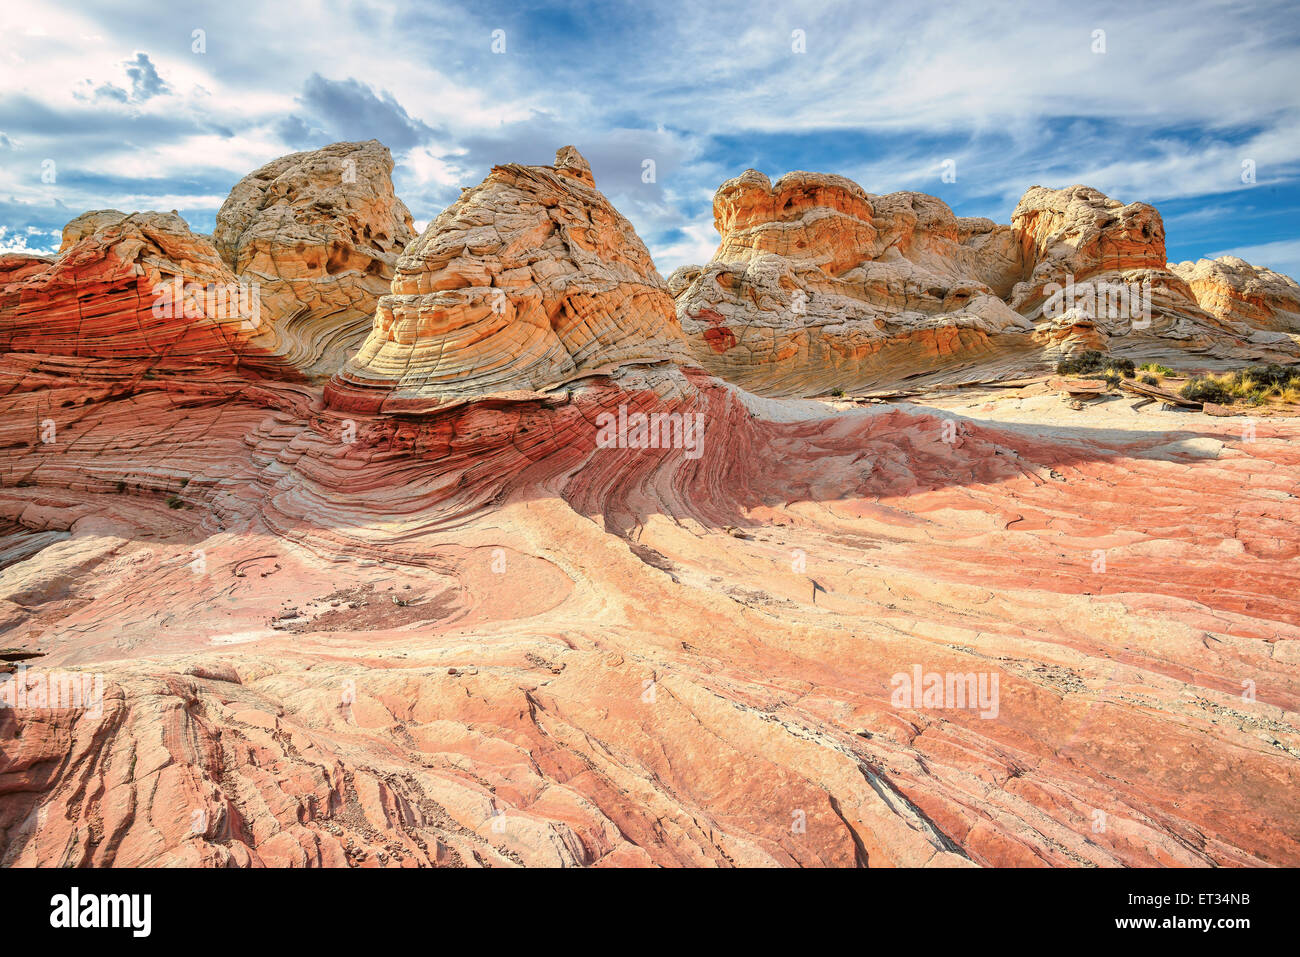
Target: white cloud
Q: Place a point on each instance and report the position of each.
(695, 248)
(30, 242)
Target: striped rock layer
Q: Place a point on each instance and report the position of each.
(527, 587)
(528, 281)
(818, 285)
(320, 232)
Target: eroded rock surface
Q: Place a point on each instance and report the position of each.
(529, 588)
(528, 281)
(1116, 254)
(320, 232)
(1235, 292)
(141, 289)
(818, 285)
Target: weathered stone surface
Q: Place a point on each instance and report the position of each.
(528, 281)
(478, 633)
(87, 224)
(1109, 249)
(320, 232)
(1234, 291)
(818, 285)
(15, 267)
(661, 685)
(142, 289)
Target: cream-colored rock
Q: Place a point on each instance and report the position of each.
(530, 280)
(1233, 290)
(87, 224)
(818, 284)
(250, 627)
(1126, 300)
(320, 231)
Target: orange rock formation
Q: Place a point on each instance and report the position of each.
(529, 586)
(818, 285)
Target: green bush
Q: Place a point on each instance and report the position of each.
(1203, 389)
(1092, 361)
(1272, 376)
(1081, 364)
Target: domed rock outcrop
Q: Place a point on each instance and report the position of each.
(320, 232)
(530, 280)
(571, 604)
(1100, 281)
(140, 288)
(817, 283)
(1232, 290)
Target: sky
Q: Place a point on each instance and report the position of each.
(1192, 106)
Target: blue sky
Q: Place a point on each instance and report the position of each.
(131, 116)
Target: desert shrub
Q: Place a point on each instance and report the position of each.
(837, 393)
(1150, 380)
(1081, 363)
(1091, 361)
(1255, 385)
(1207, 389)
(1155, 368)
(174, 501)
(1272, 376)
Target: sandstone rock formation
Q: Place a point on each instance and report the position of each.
(661, 685)
(818, 285)
(528, 281)
(15, 267)
(141, 289)
(1237, 293)
(429, 614)
(320, 231)
(1079, 236)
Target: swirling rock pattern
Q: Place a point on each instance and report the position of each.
(1080, 235)
(484, 599)
(817, 284)
(528, 281)
(141, 288)
(1235, 292)
(320, 232)
(479, 639)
